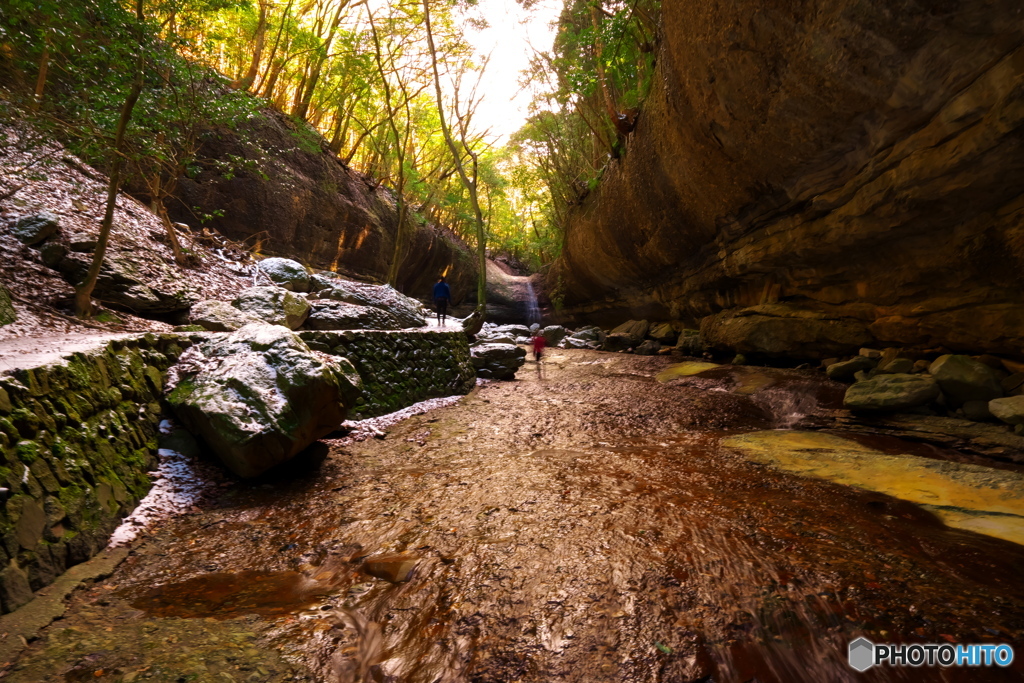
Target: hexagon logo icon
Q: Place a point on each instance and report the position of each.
(862, 654)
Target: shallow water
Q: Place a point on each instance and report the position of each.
(589, 526)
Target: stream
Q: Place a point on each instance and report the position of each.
(584, 522)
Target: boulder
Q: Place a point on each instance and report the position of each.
(892, 393)
(408, 311)
(497, 361)
(32, 230)
(338, 315)
(648, 348)
(52, 253)
(783, 331)
(259, 395)
(977, 411)
(513, 331)
(636, 330)
(1010, 409)
(533, 328)
(274, 305)
(286, 273)
(591, 333)
(896, 366)
(219, 316)
(138, 280)
(577, 343)
(845, 370)
(617, 341)
(7, 313)
(689, 343)
(495, 339)
(553, 334)
(473, 323)
(665, 333)
(964, 379)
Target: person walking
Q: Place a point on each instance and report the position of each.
(442, 297)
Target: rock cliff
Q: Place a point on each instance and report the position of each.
(847, 166)
(273, 181)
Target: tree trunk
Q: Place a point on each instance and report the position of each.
(318, 63)
(83, 292)
(257, 50)
(470, 185)
(44, 66)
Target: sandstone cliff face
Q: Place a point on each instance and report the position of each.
(859, 163)
(271, 181)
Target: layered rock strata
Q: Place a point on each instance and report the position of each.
(857, 162)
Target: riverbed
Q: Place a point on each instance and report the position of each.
(584, 522)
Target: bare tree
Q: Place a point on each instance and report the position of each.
(83, 292)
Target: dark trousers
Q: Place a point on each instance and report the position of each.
(442, 307)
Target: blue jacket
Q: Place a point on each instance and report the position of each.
(442, 291)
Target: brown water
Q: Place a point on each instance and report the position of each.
(584, 527)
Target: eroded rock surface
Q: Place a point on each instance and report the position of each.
(858, 159)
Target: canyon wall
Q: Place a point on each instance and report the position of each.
(834, 172)
(274, 183)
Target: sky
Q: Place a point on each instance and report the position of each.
(511, 37)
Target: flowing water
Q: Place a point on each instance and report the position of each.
(530, 303)
(585, 527)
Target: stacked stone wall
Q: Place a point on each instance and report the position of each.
(77, 439)
(402, 367)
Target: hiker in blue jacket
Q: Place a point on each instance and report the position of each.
(442, 297)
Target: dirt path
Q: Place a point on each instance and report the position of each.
(583, 525)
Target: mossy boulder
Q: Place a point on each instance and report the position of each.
(892, 393)
(219, 316)
(7, 313)
(286, 273)
(259, 396)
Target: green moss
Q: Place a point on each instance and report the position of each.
(27, 451)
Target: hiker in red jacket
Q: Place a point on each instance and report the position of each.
(539, 342)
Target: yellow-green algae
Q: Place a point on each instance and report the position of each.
(971, 497)
(748, 380)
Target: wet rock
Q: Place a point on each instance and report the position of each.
(259, 396)
(844, 371)
(665, 333)
(1010, 409)
(636, 330)
(286, 273)
(964, 379)
(896, 366)
(873, 354)
(648, 348)
(338, 315)
(892, 393)
(219, 316)
(274, 305)
(738, 359)
(553, 334)
(497, 361)
(617, 341)
(689, 343)
(778, 330)
(14, 587)
(977, 411)
(32, 230)
(393, 568)
(7, 313)
(408, 311)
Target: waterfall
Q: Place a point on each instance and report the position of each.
(532, 309)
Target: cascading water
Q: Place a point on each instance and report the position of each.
(532, 309)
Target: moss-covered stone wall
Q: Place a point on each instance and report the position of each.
(77, 439)
(401, 367)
